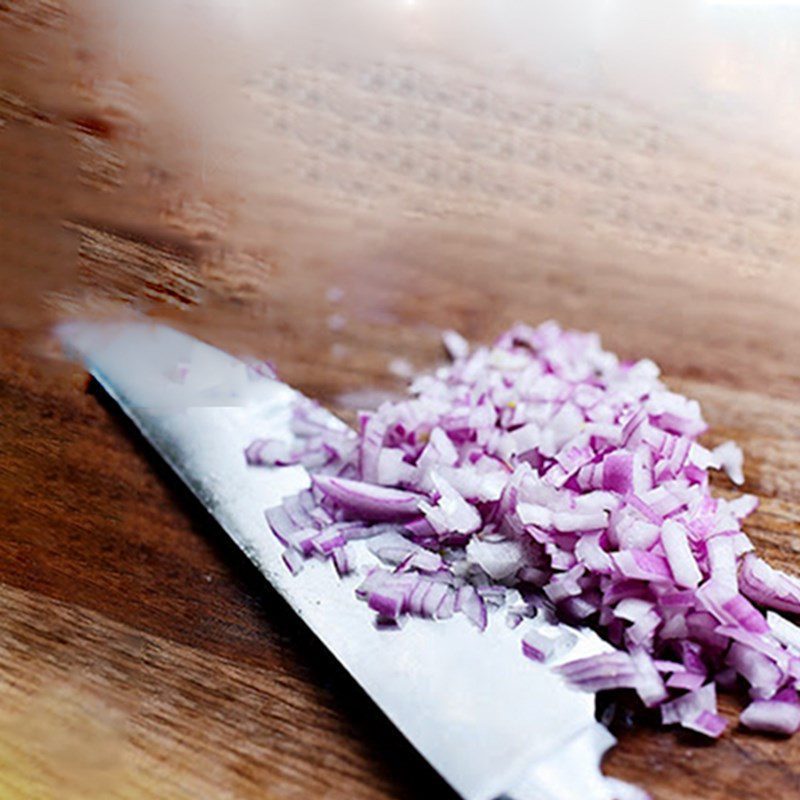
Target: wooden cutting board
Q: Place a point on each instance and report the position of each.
(141, 656)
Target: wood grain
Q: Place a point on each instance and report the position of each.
(140, 654)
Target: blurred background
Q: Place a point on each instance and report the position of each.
(330, 185)
(630, 167)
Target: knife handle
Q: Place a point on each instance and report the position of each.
(573, 772)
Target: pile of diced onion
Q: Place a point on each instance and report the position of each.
(545, 467)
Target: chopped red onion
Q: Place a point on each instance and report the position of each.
(729, 456)
(774, 716)
(539, 646)
(369, 501)
(497, 558)
(784, 631)
(456, 345)
(649, 684)
(765, 585)
(690, 681)
(342, 561)
(707, 723)
(681, 561)
(293, 560)
(544, 467)
(605, 671)
(471, 604)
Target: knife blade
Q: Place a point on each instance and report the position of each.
(492, 723)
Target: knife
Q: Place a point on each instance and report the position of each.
(491, 722)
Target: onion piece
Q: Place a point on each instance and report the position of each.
(470, 603)
(729, 456)
(457, 346)
(690, 705)
(679, 555)
(768, 586)
(498, 559)
(784, 631)
(369, 501)
(711, 725)
(293, 560)
(648, 684)
(774, 716)
(542, 645)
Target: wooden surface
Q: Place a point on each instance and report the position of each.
(140, 655)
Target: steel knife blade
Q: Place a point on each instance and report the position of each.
(492, 723)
